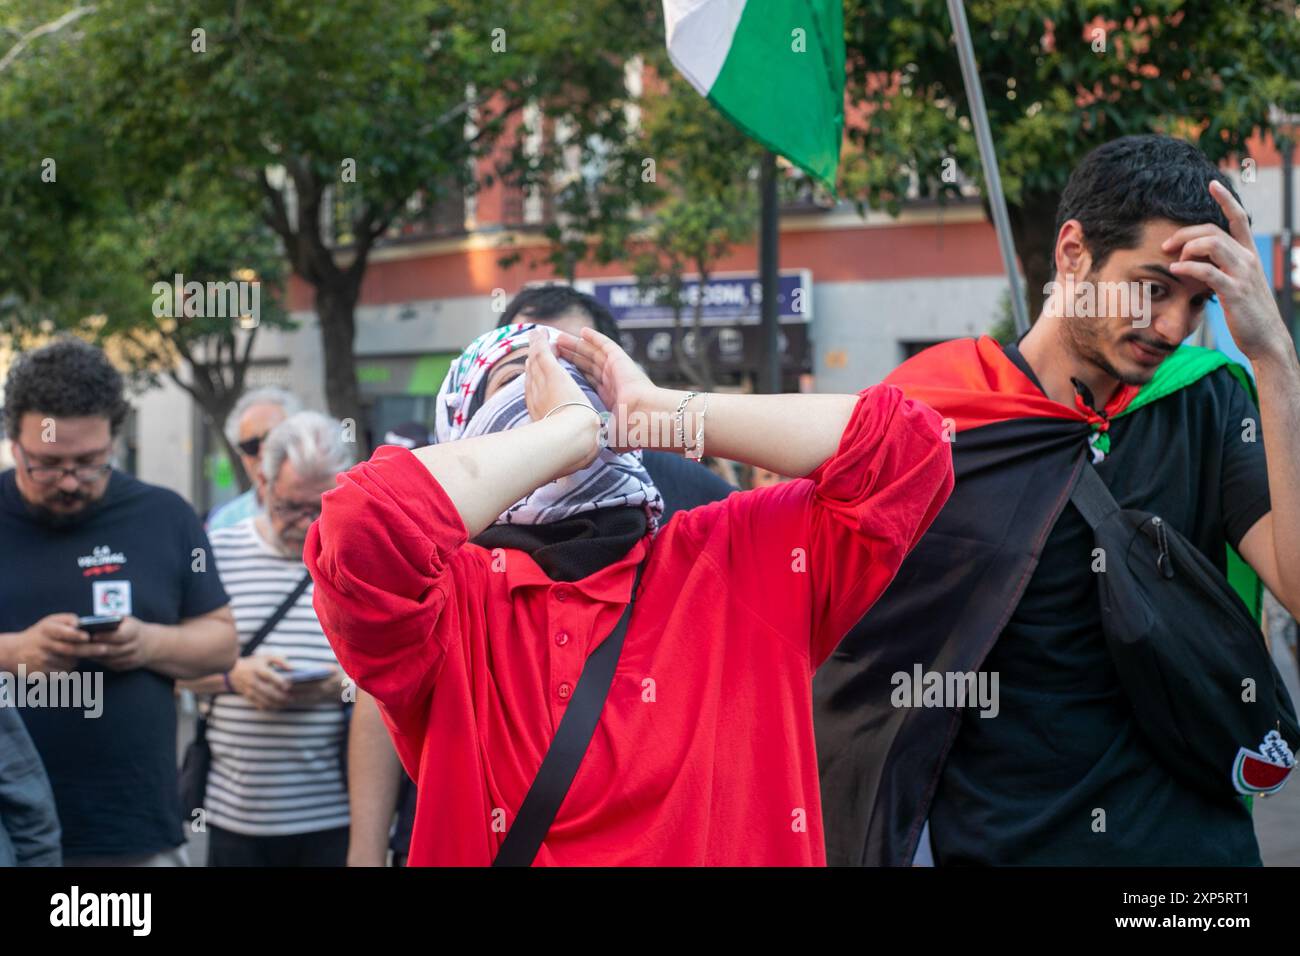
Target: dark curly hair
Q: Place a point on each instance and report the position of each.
(65, 379)
(549, 301)
(1122, 184)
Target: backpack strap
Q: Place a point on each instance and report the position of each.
(1091, 496)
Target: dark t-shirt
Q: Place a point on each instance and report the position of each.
(684, 484)
(114, 776)
(1024, 787)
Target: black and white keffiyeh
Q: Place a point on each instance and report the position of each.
(613, 480)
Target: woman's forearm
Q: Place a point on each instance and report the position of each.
(485, 475)
(790, 434)
(374, 784)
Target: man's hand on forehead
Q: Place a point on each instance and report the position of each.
(1229, 263)
(1203, 239)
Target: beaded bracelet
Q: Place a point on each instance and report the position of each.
(679, 429)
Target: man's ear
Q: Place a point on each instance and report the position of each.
(1071, 253)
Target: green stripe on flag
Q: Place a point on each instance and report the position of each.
(782, 80)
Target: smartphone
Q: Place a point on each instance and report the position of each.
(305, 675)
(99, 624)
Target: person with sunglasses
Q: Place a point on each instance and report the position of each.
(247, 426)
(83, 539)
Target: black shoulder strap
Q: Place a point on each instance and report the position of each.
(1092, 497)
(568, 747)
(276, 616)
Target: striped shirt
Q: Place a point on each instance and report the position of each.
(276, 772)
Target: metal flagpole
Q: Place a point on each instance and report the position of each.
(769, 375)
(989, 158)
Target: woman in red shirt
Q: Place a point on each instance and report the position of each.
(703, 754)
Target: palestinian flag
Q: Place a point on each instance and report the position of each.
(775, 68)
(1016, 456)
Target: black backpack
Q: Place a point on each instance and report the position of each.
(1185, 647)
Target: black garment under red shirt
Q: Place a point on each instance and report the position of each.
(1024, 787)
(704, 752)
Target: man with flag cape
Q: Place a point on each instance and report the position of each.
(1005, 582)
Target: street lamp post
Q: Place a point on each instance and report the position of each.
(1287, 145)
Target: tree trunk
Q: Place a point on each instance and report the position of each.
(1033, 230)
(215, 407)
(336, 304)
(236, 463)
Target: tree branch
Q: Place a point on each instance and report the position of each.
(47, 28)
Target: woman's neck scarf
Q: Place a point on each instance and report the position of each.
(613, 480)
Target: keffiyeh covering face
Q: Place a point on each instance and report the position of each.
(613, 480)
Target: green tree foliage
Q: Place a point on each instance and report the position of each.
(89, 238)
(1059, 78)
(335, 118)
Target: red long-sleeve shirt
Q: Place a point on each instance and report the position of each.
(704, 752)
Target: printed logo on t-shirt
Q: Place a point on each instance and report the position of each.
(1265, 770)
(101, 560)
(111, 597)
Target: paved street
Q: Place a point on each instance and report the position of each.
(1277, 818)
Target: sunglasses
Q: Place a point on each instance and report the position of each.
(252, 446)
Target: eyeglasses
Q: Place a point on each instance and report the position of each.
(49, 474)
(292, 511)
(252, 446)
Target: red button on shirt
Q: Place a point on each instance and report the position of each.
(564, 690)
(740, 601)
(561, 639)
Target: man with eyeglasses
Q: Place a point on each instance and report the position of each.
(83, 539)
(247, 426)
(276, 794)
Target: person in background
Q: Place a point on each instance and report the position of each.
(377, 784)
(247, 426)
(762, 478)
(29, 827)
(81, 538)
(276, 794)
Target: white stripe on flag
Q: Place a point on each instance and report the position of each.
(699, 34)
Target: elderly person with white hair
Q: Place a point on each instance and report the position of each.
(276, 794)
(247, 426)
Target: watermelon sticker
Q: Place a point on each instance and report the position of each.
(1266, 771)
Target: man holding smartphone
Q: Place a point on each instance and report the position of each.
(276, 793)
(84, 539)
